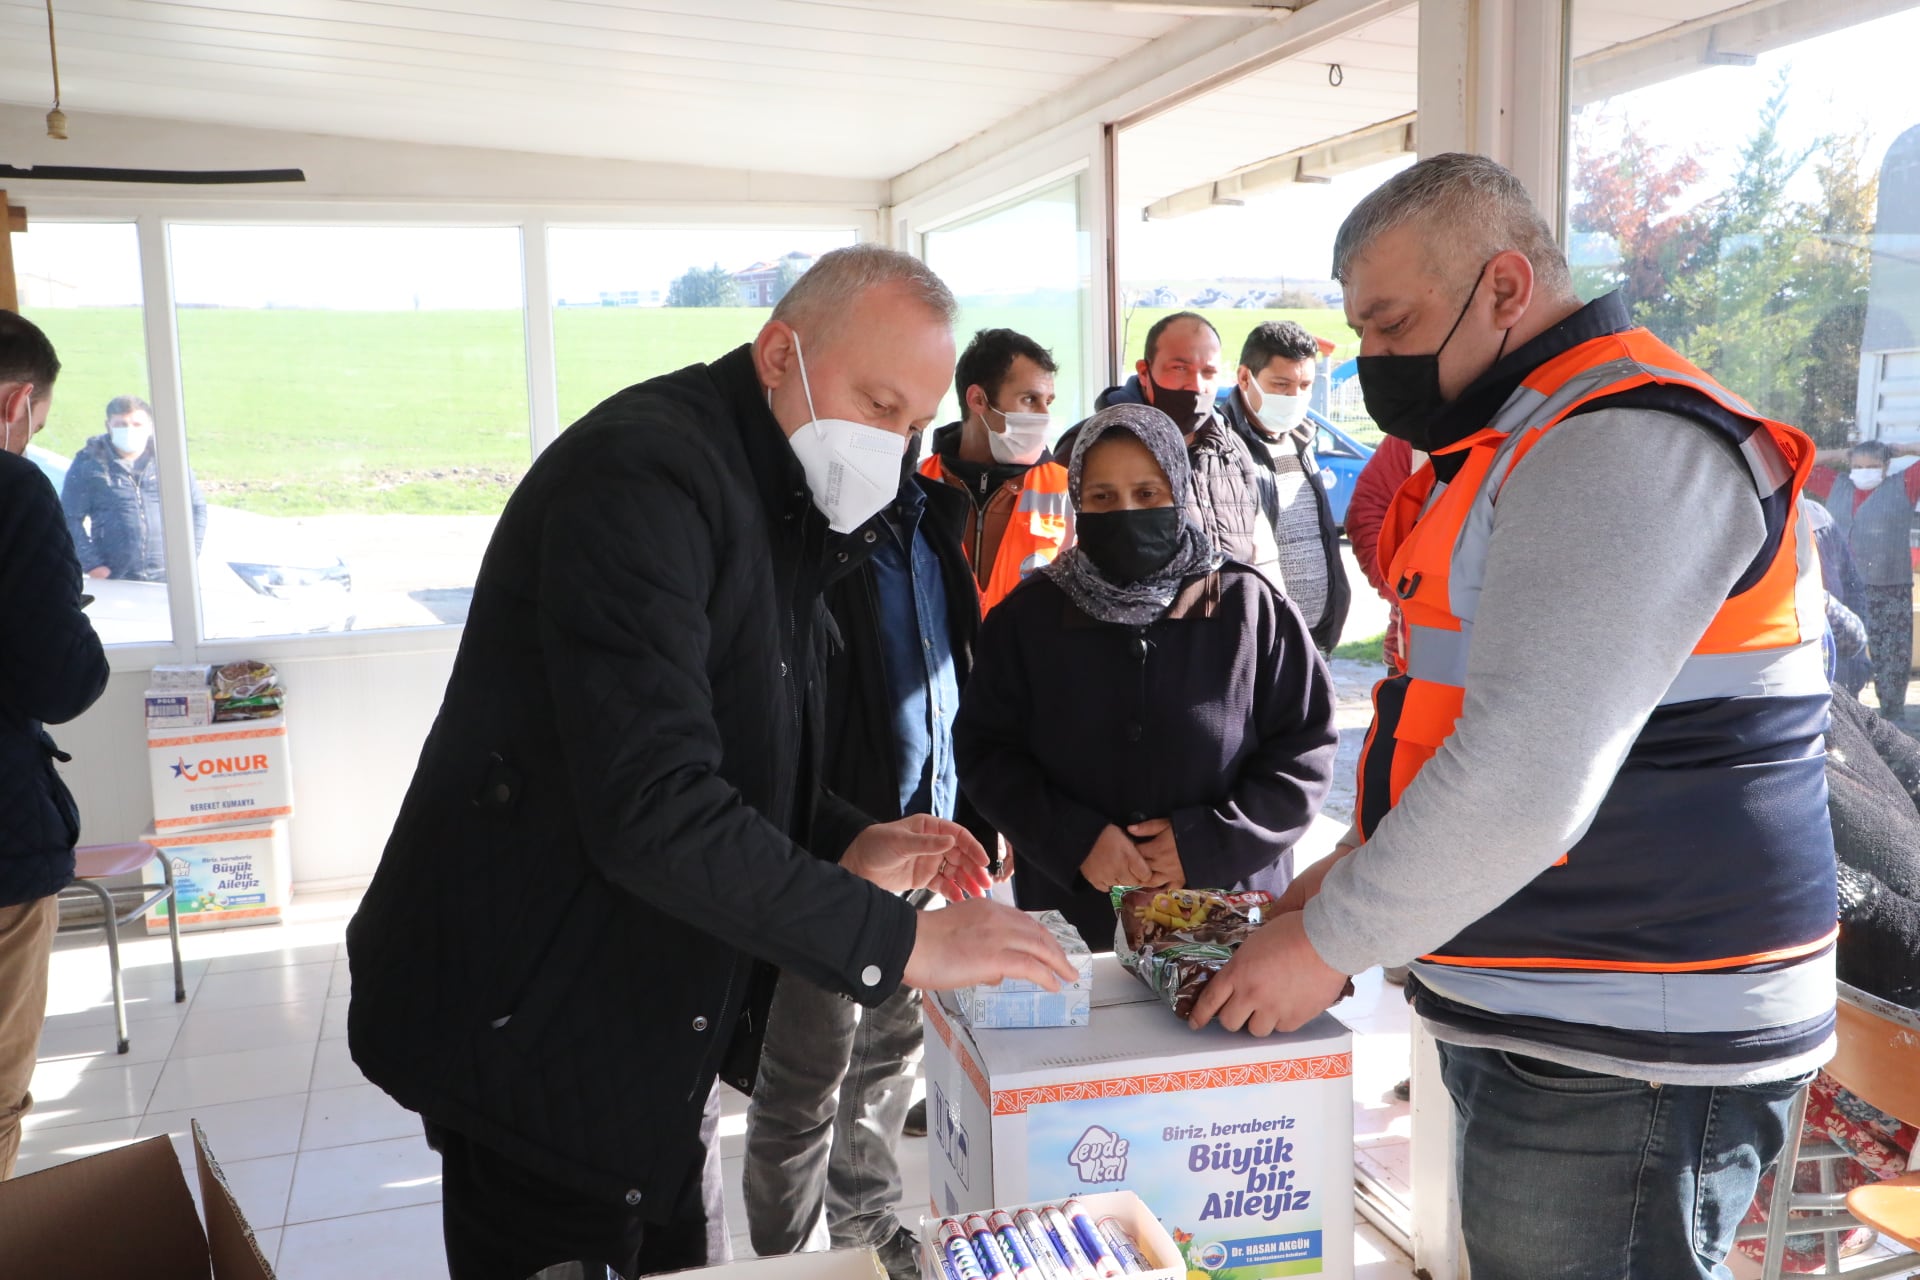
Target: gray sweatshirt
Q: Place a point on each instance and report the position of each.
(1615, 541)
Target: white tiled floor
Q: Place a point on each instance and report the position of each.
(334, 1177)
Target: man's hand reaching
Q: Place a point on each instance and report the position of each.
(920, 852)
(983, 941)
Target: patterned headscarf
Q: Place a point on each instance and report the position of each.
(1134, 604)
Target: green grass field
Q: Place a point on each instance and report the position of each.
(314, 412)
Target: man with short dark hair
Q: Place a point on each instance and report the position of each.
(1178, 373)
(617, 830)
(1019, 517)
(1268, 408)
(112, 499)
(52, 668)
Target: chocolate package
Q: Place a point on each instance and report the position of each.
(246, 690)
(1175, 940)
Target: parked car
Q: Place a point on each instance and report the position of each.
(1341, 458)
(259, 575)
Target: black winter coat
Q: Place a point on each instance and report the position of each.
(861, 751)
(52, 668)
(618, 811)
(1218, 716)
(113, 512)
(1326, 630)
(1873, 802)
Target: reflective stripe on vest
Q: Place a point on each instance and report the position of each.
(1035, 532)
(1691, 907)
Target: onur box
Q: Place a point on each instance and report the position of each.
(225, 876)
(219, 774)
(1243, 1147)
(1016, 1002)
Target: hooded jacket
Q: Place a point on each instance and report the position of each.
(52, 668)
(113, 511)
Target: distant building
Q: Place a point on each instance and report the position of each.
(760, 285)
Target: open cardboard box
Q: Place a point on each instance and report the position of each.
(127, 1212)
(839, 1264)
(1147, 1232)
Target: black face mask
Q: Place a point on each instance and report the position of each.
(1402, 393)
(1182, 406)
(1126, 546)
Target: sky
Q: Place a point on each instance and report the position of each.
(1860, 80)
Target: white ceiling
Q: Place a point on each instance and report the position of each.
(1292, 104)
(839, 88)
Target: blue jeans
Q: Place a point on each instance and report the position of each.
(1568, 1175)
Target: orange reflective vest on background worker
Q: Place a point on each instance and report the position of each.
(1694, 920)
(1035, 520)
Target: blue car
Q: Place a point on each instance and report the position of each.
(1341, 457)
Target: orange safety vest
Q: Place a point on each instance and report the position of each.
(1694, 921)
(1038, 529)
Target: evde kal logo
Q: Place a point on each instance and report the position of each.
(1100, 1156)
(218, 766)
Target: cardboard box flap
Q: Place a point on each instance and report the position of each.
(125, 1212)
(839, 1264)
(236, 1254)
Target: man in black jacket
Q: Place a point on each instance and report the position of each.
(835, 1080)
(112, 497)
(617, 821)
(52, 668)
(1268, 410)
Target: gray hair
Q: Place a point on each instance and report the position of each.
(826, 291)
(1472, 209)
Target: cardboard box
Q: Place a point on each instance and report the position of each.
(1146, 1230)
(127, 1212)
(181, 676)
(1242, 1147)
(840, 1264)
(226, 876)
(219, 775)
(179, 708)
(1016, 1002)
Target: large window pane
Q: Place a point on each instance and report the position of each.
(1025, 266)
(631, 304)
(80, 282)
(1753, 192)
(356, 405)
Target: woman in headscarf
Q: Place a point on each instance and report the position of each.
(1142, 712)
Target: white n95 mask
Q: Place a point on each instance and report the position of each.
(1022, 442)
(1867, 477)
(853, 470)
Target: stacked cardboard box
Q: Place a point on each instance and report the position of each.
(222, 794)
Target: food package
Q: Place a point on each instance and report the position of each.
(1016, 1002)
(1175, 940)
(246, 690)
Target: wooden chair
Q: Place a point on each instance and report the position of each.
(1877, 1058)
(1879, 1061)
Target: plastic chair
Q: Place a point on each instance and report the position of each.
(94, 863)
(1877, 1058)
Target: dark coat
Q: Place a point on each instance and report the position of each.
(1218, 716)
(113, 512)
(618, 810)
(1326, 630)
(52, 668)
(861, 751)
(1873, 788)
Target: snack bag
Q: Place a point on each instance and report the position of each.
(1175, 940)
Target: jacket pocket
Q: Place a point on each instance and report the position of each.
(61, 798)
(524, 1016)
